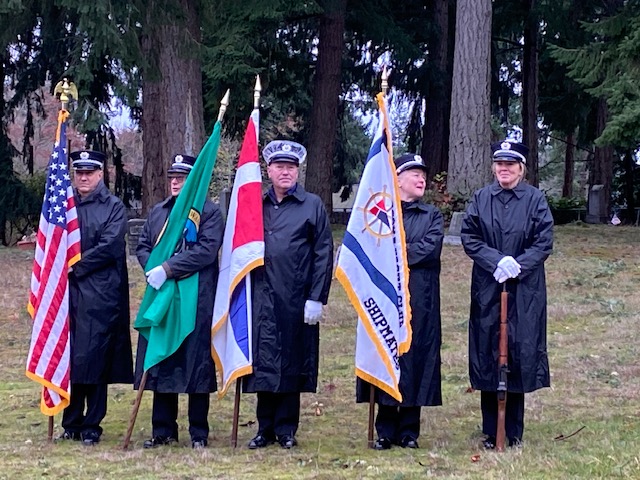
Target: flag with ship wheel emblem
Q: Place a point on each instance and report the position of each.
(373, 269)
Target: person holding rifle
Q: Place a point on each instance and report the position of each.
(508, 233)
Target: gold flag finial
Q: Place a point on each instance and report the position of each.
(385, 80)
(223, 105)
(256, 92)
(66, 91)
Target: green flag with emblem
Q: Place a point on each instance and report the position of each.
(168, 315)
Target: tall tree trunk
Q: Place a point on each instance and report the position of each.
(569, 165)
(436, 126)
(324, 116)
(469, 137)
(602, 171)
(530, 91)
(172, 118)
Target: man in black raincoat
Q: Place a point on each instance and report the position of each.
(288, 294)
(420, 380)
(190, 369)
(508, 233)
(98, 302)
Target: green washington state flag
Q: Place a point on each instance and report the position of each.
(168, 315)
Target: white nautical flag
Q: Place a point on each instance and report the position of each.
(242, 251)
(372, 267)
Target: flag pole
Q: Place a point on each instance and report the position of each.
(384, 86)
(67, 92)
(236, 401)
(143, 381)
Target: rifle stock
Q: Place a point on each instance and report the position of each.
(503, 355)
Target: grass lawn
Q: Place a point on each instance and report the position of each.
(594, 348)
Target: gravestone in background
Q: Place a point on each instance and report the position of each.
(455, 228)
(596, 209)
(134, 229)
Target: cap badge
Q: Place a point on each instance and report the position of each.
(179, 159)
(84, 155)
(417, 158)
(505, 146)
(286, 147)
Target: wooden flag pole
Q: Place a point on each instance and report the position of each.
(134, 410)
(50, 429)
(236, 414)
(372, 409)
(236, 401)
(67, 93)
(384, 86)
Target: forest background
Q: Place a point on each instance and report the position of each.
(561, 76)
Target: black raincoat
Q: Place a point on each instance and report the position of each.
(190, 369)
(420, 380)
(297, 267)
(518, 223)
(99, 293)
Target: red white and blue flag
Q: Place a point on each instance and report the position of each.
(373, 269)
(57, 249)
(242, 251)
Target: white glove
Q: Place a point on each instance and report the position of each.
(156, 277)
(500, 275)
(509, 266)
(312, 312)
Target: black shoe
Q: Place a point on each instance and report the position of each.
(198, 444)
(68, 435)
(489, 443)
(382, 443)
(260, 441)
(408, 442)
(287, 441)
(515, 442)
(158, 441)
(90, 438)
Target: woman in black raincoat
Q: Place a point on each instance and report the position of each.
(420, 380)
(99, 302)
(508, 233)
(190, 369)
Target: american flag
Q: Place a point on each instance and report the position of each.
(57, 249)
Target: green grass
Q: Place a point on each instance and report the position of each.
(594, 347)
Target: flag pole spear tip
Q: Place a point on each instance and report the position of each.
(385, 80)
(256, 92)
(223, 105)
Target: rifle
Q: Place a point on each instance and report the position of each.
(503, 367)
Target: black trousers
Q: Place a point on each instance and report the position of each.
(75, 419)
(165, 415)
(395, 422)
(514, 419)
(278, 413)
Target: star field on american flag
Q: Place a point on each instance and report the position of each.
(57, 187)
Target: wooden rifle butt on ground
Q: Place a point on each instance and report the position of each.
(503, 370)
